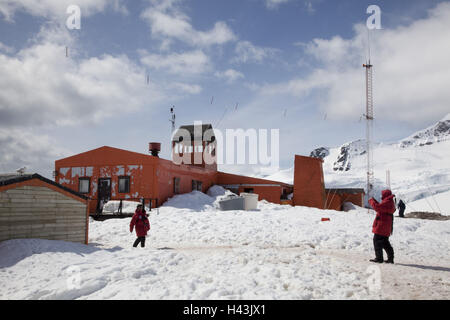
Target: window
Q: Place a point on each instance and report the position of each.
(248, 190)
(124, 184)
(84, 185)
(196, 185)
(176, 185)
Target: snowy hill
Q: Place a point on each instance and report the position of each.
(436, 133)
(418, 165)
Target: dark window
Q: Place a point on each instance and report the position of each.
(124, 184)
(196, 185)
(248, 190)
(176, 185)
(84, 185)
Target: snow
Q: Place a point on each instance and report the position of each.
(195, 251)
(128, 207)
(439, 203)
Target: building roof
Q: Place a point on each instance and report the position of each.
(346, 190)
(11, 178)
(191, 129)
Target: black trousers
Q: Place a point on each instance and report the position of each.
(141, 240)
(400, 213)
(380, 243)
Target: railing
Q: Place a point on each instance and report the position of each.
(143, 201)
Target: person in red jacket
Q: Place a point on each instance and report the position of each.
(383, 226)
(141, 224)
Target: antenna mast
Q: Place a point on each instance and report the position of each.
(369, 127)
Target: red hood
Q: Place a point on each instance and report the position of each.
(386, 193)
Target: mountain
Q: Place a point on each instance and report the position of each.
(436, 133)
(346, 152)
(418, 165)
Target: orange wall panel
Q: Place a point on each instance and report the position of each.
(309, 188)
(333, 201)
(152, 177)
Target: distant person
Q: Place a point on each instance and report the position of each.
(142, 225)
(401, 208)
(383, 226)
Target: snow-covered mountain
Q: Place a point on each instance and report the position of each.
(419, 165)
(436, 133)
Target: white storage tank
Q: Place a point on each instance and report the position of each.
(250, 201)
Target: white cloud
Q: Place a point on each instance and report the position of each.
(230, 75)
(56, 8)
(24, 147)
(187, 88)
(247, 52)
(167, 21)
(410, 71)
(41, 86)
(272, 4)
(183, 64)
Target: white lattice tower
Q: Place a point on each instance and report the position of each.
(369, 128)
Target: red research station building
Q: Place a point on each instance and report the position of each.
(108, 173)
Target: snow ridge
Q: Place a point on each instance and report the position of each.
(436, 133)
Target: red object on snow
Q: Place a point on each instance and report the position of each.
(325, 219)
(140, 222)
(382, 225)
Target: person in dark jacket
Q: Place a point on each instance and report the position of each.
(383, 226)
(401, 208)
(141, 224)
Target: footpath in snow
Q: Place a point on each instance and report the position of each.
(195, 251)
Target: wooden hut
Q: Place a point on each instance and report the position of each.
(32, 206)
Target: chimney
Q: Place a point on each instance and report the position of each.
(154, 148)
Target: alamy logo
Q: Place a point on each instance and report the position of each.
(374, 21)
(235, 146)
(374, 279)
(74, 20)
(74, 277)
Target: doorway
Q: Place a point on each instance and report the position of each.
(103, 193)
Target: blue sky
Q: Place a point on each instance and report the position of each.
(292, 65)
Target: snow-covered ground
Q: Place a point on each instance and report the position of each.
(195, 251)
(439, 203)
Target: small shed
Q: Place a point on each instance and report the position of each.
(32, 206)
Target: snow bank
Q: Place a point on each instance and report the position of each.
(198, 201)
(194, 201)
(278, 252)
(438, 203)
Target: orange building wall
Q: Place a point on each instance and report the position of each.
(334, 200)
(152, 177)
(167, 171)
(266, 189)
(309, 188)
(107, 162)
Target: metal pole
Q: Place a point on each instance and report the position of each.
(369, 128)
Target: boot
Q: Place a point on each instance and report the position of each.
(376, 260)
(390, 260)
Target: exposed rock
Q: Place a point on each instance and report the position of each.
(439, 132)
(320, 153)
